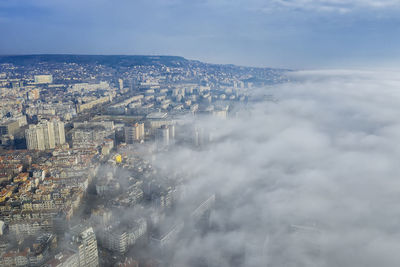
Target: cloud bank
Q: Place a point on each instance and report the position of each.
(312, 180)
(341, 6)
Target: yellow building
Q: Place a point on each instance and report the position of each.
(22, 177)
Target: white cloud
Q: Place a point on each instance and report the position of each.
(309, 181)
(341, 6)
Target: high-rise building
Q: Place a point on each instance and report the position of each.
(162, 136)
(34, 138)
(45, 135)
(121, 84)
(85, 243)
(48, 133)
(134, 133)
(171, 129)
(43, 79)
(201, 136)
(59, 132)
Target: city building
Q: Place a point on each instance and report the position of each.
(119, 237)
(42, 136)
(92, 134)
(59, 132)
(41, 79)
(34, 138)
(33, 94)
(162, 136)
(85, 244)
(134, 133)
(165, 135)
(9, 127)
(67, 258)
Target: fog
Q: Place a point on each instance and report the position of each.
(311, 179)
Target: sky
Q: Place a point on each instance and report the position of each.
(309, 180)
(301, 34)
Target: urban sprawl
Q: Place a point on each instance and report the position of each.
(79, 139)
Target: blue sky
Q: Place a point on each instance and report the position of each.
(277, 33)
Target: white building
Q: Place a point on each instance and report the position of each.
(45, 135)
(34, 138)
(39, 79)
(59, 132)
(119, 238)
(85, 243)
(165, 136)
(162, 136)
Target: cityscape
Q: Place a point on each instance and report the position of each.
(199, 133)
(80, 141)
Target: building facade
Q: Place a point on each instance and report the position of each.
(134, 133)
(45, 135)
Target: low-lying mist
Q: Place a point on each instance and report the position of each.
(312, 179)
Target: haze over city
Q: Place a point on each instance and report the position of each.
(175, 133)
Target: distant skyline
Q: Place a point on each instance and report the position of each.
(275, 33)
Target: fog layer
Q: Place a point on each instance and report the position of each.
(309, 180)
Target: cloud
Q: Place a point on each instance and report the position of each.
(336, 6)
(309, 181)
(341, 6)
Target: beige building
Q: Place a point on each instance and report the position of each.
(9, 127)
(134, 133)
(91, 104)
